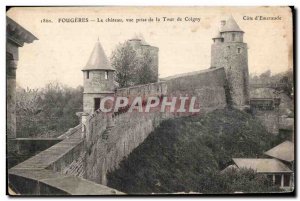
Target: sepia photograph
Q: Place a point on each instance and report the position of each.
(150, 100)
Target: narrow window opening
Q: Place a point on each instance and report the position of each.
(87, 74)
(239, 50)
(106, 75)
(233, 37)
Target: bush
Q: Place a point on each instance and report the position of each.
(47, 112)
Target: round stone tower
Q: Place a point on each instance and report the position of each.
(98, 79)
(229, 51)
(140, 46)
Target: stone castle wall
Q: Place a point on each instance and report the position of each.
(147, 90)
(88, 154)
(128, 130)
(208, 86)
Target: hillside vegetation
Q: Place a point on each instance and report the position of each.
(48, 111)
(186, 155)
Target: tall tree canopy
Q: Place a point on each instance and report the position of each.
(133, 67)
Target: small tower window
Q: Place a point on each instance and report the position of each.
(233, 37)
(106, 75)
(87, 74)
(239, 50)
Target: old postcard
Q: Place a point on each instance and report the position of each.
(150, 100)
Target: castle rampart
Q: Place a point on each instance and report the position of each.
(131, 129)
(105, 139)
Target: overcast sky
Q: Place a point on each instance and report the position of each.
(64, 48)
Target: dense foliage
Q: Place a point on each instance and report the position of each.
(47, 112)
(283, 82)
(186, 154)
(241, 180)
(132, 67)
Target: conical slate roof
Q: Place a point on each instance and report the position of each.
(217, 35)
(98, 59)
(231, 25)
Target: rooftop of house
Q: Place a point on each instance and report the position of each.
(283, 151)
(18, 34)
(262, 165)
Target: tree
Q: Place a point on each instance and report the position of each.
(287, 82)
(241, 180)
(266, 74)
(49, 111)
(145, 72)
(133, 67)
(124, 60)
(28, 109)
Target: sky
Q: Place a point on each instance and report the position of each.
(63, 49)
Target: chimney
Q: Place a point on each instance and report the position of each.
(223, 22)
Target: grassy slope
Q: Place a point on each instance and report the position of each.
(182, 154)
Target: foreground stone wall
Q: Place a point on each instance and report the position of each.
(59, 170)
(21, 149)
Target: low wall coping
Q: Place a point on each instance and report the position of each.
(69, 184)
(35, 169)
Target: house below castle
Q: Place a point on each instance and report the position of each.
(278, 165)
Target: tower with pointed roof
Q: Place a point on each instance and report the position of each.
(98, 79)
(229, 51)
